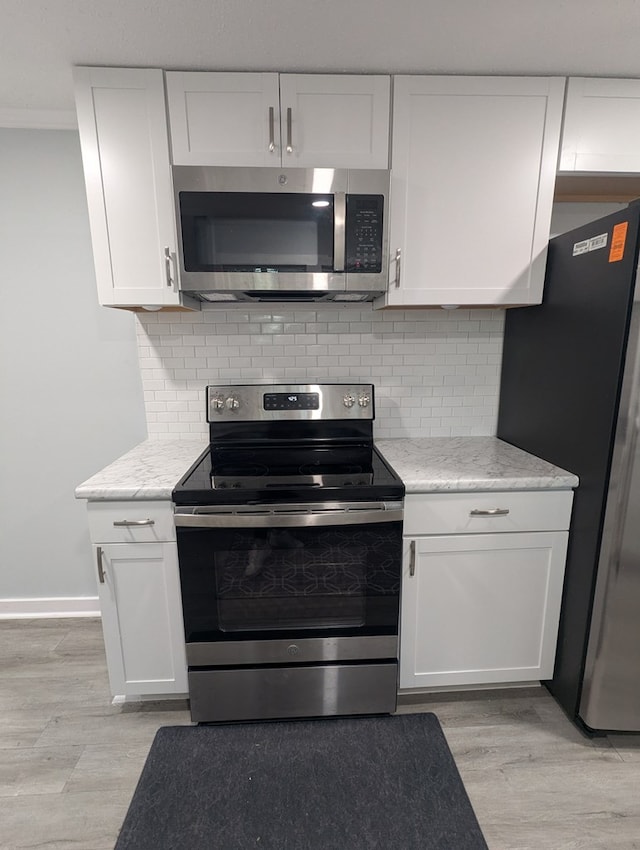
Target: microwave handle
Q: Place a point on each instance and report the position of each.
(339, 233)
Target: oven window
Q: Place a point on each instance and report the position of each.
(240, 583)
(257, 232)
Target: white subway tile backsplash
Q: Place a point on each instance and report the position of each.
(435, 373)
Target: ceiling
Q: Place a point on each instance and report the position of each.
(43, 39)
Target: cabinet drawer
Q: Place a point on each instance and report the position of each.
(474, 513)
(131, 522)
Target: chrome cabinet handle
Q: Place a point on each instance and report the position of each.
(489, 512)
(167, 266)
(289, 131)
(272, 143)
(412, 558)
(397, 261)
(168, 260)
(100, 567)
(126, 523)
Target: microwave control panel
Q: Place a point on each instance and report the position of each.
(364, 233)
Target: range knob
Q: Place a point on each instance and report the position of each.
(217, 403)
(349, 400)
(364, 400)
(232, 403)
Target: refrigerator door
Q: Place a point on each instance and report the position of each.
(562, 373)
(611, 690)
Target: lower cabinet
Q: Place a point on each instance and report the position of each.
(480, 606)
(139, 591)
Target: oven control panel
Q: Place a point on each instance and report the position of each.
(291, 401)
(259, 402)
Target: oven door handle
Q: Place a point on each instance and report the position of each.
(307, 519)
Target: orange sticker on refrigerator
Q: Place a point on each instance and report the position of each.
(618, 238)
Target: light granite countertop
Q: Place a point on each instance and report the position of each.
(149, 471)
(431, 464)
(435, 464)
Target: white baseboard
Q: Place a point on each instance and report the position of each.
(409, 696)
(57, 606)
(122, 699)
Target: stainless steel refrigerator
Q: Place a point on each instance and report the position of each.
(570, 393)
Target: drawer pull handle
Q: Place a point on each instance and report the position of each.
(100, 567)
(412, 558)
(489, 512)
(126, 523)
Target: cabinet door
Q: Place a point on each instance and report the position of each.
(601, 130)
(334, 121)
(125, 152)
(473, 174)
(480, 609)
(294, 120)
(139, 593)
(224, 119)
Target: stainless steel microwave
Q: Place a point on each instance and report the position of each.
(268, 234)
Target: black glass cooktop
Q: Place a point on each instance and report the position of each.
(290, 472)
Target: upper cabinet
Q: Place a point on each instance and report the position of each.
(473, 173)
(279, 120)
(601, 131)
(125, 152)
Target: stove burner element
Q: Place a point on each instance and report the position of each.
(318, 468)
(297, 463)
(253, 471)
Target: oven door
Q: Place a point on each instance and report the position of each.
(287, 583)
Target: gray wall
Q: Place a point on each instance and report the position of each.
(567, 216)
(71, 394)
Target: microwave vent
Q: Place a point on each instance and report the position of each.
(283, 296)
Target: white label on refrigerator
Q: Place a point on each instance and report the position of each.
(592, 244)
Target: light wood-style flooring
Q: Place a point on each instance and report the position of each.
(70, 761)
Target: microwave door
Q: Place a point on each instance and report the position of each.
(262, 232)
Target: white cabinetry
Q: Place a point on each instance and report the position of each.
(280, 120)
(125, 152)
(482, 586)
(473, 172)
(139, 588)
(601, 130)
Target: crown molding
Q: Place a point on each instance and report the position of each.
(38, 119)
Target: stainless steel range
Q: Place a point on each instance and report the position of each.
(289, 534)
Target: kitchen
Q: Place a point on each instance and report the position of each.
(409, 350)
